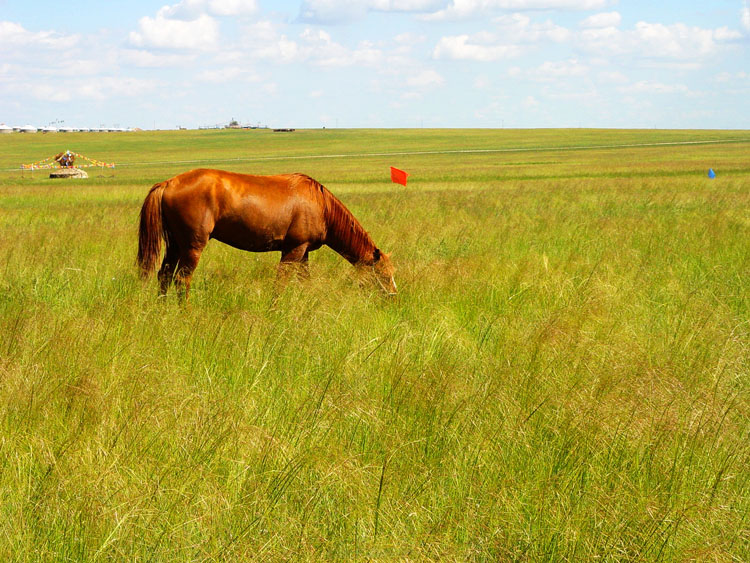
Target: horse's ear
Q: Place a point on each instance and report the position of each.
(376, 255)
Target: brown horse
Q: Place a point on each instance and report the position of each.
(290, 213)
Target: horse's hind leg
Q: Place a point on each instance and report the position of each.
(168, 266)
(188, 261)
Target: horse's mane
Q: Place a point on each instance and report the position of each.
(345, 233)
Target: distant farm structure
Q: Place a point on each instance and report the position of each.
(54, 129)
(233, 124)
(58, 126)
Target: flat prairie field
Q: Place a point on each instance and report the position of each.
(563, 376)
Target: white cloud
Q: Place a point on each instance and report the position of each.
(103, 88)
(332, 11)
(545, 4)
(264, 40)
(411, 96)
(318, 48)
(496, 111)
(189, 24)
(50, 93)
(518, 28)
(107, 87)
(269, 45)
(745, 15)
(201, 33)
(146, 59)
(729, 76)
(649, 87)
(551, 71)
(613, 77)
(600, 37)
(409, 39)
(555, 70)
(657, 41)
(514, 33)
(191, 9)
(270, 88)
(479, 47)
(603, 19)
(404, 5)
(13, 34)
(481, 82)
(233, 7)
(425, 79)
(318, 45)
(339, 11)
(228, 74)
(462, 9)
(679, 40)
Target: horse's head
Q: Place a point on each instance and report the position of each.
(383, 269)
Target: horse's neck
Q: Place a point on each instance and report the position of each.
(345, 234)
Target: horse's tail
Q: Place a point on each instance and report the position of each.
(151, 230)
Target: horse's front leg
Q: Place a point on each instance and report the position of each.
(294, 261)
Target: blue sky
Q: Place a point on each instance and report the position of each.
(377, 63)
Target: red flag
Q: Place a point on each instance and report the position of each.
(398, 176)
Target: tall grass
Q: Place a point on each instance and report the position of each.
(563, 376)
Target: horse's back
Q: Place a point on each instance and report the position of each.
(230, 189)
(250, 212)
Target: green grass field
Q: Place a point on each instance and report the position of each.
(563, 375)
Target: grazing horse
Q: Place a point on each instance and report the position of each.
(290, 213)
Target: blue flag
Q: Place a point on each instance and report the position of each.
(711, 173)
